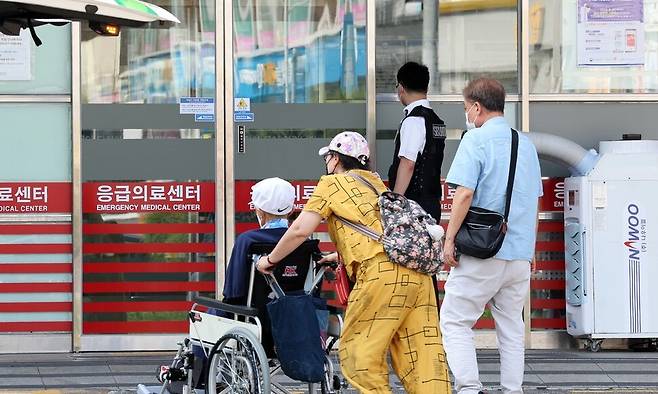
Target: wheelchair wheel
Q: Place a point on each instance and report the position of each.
(238, 364)
(327, 385)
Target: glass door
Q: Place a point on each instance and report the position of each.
(299, 79)
(148, 192)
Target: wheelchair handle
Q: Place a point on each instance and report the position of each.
(274, 285)
(331, 264)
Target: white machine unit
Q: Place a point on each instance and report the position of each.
(611, 244)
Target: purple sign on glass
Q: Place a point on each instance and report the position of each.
(610, 11)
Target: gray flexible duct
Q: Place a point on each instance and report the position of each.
(564, 152)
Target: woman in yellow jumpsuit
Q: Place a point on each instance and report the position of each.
(391, 307)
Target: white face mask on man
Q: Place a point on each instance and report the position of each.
(470, 125)
(260, 221)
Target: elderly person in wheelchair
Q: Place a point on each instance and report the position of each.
(230, 348)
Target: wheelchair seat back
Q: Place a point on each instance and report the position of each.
(291, 272)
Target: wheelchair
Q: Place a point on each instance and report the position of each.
(230, 347)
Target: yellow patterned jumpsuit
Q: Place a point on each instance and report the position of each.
(390, 308)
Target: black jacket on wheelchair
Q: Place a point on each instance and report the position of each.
(290, 273)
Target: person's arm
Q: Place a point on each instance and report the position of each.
(302, 228)
(540, 194)
(537, 223)
(465, 174)
(534, 262)
(412, 138)
(405, 172)
(461, 202)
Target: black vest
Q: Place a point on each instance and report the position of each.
(425, 184)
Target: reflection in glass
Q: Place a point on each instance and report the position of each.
(554, 51)
(154, 64)
(458, 40)
(29, 69)
(300, 51)
(157, 264)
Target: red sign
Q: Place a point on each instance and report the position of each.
(112, 197)
(35, 197)
(447, 193)
(551, 201)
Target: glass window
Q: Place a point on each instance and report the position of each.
(155, 64)
(300, 51)
(26, 69)
(621, 54)
(458, 40)
(389, 115)
(35, 148)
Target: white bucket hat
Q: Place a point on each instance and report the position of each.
(274, 196)
(349, 144)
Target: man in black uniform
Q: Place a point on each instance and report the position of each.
(419, 143)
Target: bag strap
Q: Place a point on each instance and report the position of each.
(365, 230)
(363, 181)
(512, 171)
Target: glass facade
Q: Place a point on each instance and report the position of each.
(164, 192)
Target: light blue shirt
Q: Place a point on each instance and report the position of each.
(482, 164)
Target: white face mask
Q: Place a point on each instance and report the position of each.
(260, 221)
(470, 125)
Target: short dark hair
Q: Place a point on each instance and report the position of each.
(350, 163)
(488, 92)
(414, 77)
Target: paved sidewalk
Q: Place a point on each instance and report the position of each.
(546, 372)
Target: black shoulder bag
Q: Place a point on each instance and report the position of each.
(482, 233)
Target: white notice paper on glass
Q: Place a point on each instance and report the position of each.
(610, 32)
(15, 57)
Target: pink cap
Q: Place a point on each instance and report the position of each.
(350, 144)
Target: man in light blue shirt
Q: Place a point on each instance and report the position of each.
(479, 172)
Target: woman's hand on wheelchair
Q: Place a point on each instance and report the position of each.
(331, 259)
(263, 266)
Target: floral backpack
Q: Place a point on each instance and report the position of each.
(411, 236)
